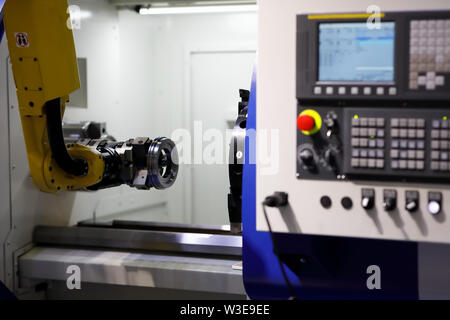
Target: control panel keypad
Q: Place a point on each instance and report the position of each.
(440, 145)
(429, 53)
(368, 143)
(407, 150)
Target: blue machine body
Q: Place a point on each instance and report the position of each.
(2, 28)
(325, 267)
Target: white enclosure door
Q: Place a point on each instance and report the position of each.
(216, 77)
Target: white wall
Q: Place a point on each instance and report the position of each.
(156, 71)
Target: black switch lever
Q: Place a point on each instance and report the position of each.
(367, 198)
(389, 200)
(412, 201)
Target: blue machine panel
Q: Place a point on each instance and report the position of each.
(325, 267)
(2, 29)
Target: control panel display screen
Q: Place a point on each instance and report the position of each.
(351, 52)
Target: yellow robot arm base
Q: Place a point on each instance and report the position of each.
(42, 54)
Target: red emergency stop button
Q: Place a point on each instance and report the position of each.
(305, 122)
(309, 122)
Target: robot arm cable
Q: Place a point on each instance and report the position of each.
(76, 167)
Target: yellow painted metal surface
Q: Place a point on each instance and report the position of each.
(345, 16)
(43, 57)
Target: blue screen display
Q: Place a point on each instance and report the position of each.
(353, 52)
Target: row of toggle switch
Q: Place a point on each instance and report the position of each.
(411, 200)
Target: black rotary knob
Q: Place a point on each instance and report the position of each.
(307, 157)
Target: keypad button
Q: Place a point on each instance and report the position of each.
(394, 122)
(443, 166)
(411, 164)
(394, 133)
(435, 134)
(434, 165)
(380, 164)
(355, 142)
(420, 134)
(394, 154)
(420, 165)
(403, 154)
(363, 132)
(372, 143)
(355, 132)
(355, 163)
(403, 133)
(411, 154)
(411, 133)
(380, 143)
(372, 132)
(363, 142)
(392, 91)
(411, 144)
(435, 124)
(420, 154)
(363, 153)
(380, 133)
(380, 153)
(412, 123)
(355, 122)
(380, 91)
(444, 156)
(395, 144)
(420, 123)
(364, 122)
(403, 123)
(355, 153)
(435, 144)
(372, 122)
(403, 144)
(435, 155)
(371, 163)
(394, 164)
(363, 163)
(402, 164)
(380, 122)
(444, 134)
(444, 145)
(372, 153)
(317, 90)
(420, 144)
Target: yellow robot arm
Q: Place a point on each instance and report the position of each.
(43, 58)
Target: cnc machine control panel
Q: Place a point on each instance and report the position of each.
(374, 113)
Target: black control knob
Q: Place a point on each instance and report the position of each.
(367, 198)
(331, 123)
(434, 202)
(330, 158)
(307, 157)
(389, 200)
(412, 201)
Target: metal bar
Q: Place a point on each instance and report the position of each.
(133, 269)
(159, 226)
(181, 242)
(180, 2)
